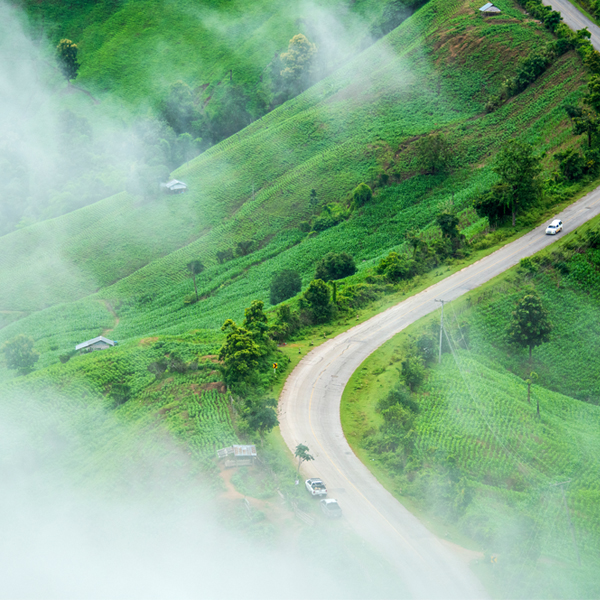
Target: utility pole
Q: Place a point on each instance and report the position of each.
(562, 489)
(441, 328)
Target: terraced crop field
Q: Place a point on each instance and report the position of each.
(357, 123)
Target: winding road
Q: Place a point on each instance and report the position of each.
(310, 414)
(575, 19)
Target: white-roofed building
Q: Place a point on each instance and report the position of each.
(174, 187)
(489, 9)
(98, 343)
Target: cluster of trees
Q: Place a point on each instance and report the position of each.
(247, 357)
(422, 255)
(334, 213)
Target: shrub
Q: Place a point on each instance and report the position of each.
(318, 298)
(361, 195)
(335, 266)
(284, 285)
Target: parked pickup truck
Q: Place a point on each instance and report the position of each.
(316, 487)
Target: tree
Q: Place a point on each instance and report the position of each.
(195, 267)
(261, 415)
(317, 297)
(530, 325)
(67, 59)
(413, 371)
(335, 266)
(396, 267)
(284, 285)
(585, 120)
(361, 195)
(240, 353)
(298, 62)
(552, 20)
(519, 171)
(435, 153)
(20, 354)
(256, 322)
(179, 110)
(244, 247)
(301, 453)
(224, 255)
(448, 223)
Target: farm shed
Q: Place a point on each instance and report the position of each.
(238, 456)
(489, 9)
(98, 343)
(174, 187)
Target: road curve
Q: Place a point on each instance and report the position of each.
(575, 19)
(309, 413)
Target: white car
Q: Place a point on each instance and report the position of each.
(554, 227)
(316, 487)
(331, 509)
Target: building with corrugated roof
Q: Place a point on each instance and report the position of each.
(489, 9)
(98, 343)
(174, 187)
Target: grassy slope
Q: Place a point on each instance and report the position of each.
(429, 74)
(135, 50)
(474, 415)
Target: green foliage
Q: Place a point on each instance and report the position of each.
(284, 285)
(396, 267)
(530, 326)
(302, 454)
(260, 415)
(519, 171)
(20, 354)
(318, 298)
(67, 59)
(361, 195)
(335, 265)
(413, 371)
(195, 267)
(297, 62)
(436, 153)
(240, 354)
(571, 164)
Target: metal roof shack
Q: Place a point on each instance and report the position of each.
(174, 187)
(98, 343)
(489, 9)
(238, 455)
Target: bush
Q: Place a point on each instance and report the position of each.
(335, 266)
(284, 285)
(318, 298)
(361, 195)
(395, 267)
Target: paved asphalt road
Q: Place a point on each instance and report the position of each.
(575, 19)
(310, 414)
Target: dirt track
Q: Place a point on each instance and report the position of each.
(309, 414)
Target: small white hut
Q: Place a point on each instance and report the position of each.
(489, 9)
(98, 343)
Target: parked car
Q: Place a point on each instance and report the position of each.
(331, 509)
(316, 487)
(554, 227)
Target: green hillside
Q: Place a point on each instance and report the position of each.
(470, 450)
(353, 126)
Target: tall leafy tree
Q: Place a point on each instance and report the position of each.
(256, 322)
(519, 172)
(530, 325)
(240, 354)
(435, 153)
(284, 285)
(67, 59)
(195, 267)
(261, 415)
(298, 62)
(335, 265)
(318, 298)
(20, 354)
